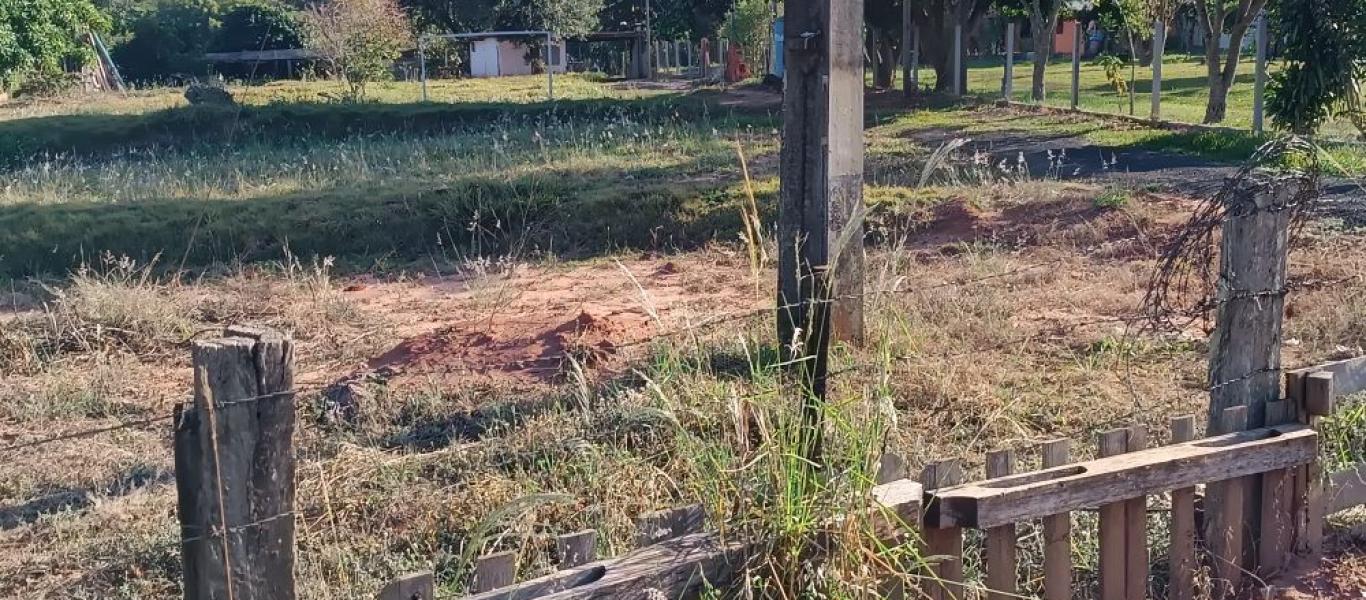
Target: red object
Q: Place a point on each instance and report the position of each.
(736, 69)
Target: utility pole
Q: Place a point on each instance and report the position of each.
(820, 215)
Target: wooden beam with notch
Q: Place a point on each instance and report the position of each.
(1102, 481)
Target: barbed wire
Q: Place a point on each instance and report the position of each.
(149, 420)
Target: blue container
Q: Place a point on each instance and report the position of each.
(778, 47)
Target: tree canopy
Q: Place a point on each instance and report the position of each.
(39, 37)
(564, 16)
(1324, 46)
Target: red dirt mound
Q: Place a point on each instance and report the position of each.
(524, 327)
(542, 355)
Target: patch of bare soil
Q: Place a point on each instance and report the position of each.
(528, 326)
(1339, 575)
(1132, 232)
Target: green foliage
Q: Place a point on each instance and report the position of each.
(561, 16)
(1112, 198)
(1324, 49)
(1114, 72)
(42, 38)
(359, 39)
(567, 17)
(747, 24)
(168, 38)
(258, 26)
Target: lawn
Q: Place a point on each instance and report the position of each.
(422, 255)
(1184, 89)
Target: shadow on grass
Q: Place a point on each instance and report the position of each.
(568, 213)
(94, 135)
(67, 499)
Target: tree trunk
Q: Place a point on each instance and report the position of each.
(882, 54)
(1043, 46)
(1217, 105)
(888, 48)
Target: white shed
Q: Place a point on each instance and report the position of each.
(493, 57)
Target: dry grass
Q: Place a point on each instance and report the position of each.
(959, 365)
(1006, 330)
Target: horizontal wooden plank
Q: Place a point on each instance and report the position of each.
(261, 55)
(1349, 376)
(1347, 489)
(1102, 481)
(677, 568)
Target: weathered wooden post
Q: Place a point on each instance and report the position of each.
(1259, 83)
(958, 88)
(1008, 84)
(915, 59)
(908, 42)
(820, 217)
(1076, 64)
(1245, 348)
(1159, 47)
(234, 464)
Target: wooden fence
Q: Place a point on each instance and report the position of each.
(1277, 463)
(234, 465)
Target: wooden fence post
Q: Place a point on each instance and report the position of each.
(1113, 517)
(1076, 64)
(1159, 45)
(820, 216)
(1008, 84)
(1259, 75)
(1245, 348)
(1226, 531)
(1136, 530)
(1057, 532)
(908, 42)
(1181, 573)
(958, 84)
(234, 464)
(1000, 546)
(945, 579)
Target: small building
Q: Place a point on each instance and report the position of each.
(495, 57)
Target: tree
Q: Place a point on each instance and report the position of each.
(934, 20)
(1212, 16)
(258, 26)
(883, 38)
(670, 19)
(567, 17)
(1043, 21)
(358, 39)
(166, 38)
(41, 38)
(1324, 46)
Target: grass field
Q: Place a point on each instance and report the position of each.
(1184, 89)
(448, 241)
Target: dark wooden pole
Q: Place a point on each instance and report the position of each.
(908, 42)
(234, 465)
(1245, 348)
(820, 220)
